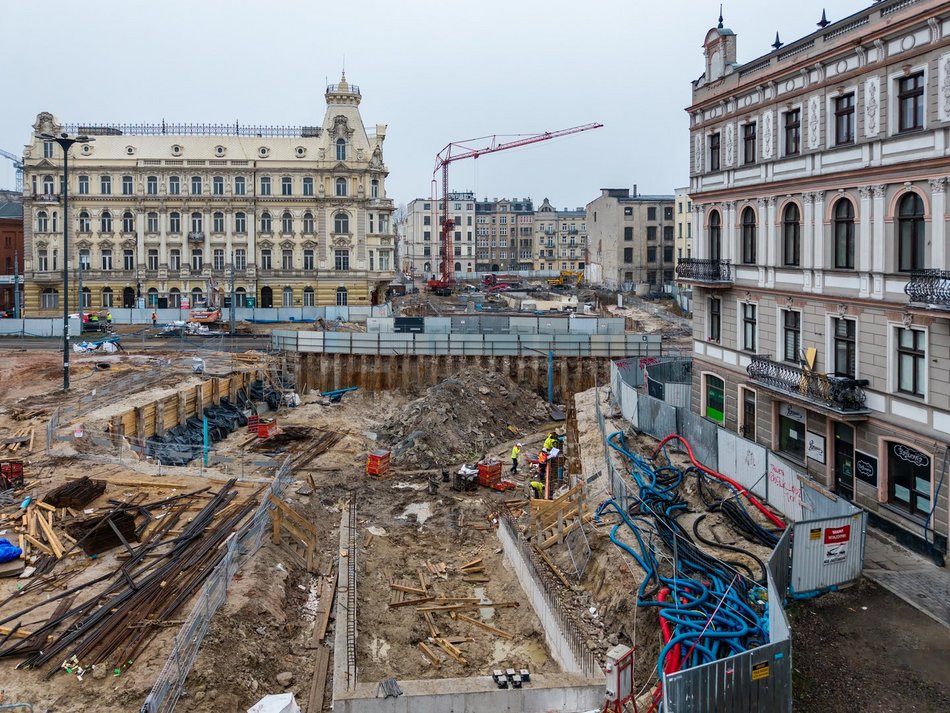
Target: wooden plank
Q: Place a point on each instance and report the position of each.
(326, 606)
(450, 650)
(482, 625)
(411, 602)
(430, 654)
(318, 684)
(409, 590)
(550, 563)
(471, 564)
(38, 545)
(18, 634)
(54, 542)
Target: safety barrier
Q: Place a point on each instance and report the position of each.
(170, 682)
(497, 324)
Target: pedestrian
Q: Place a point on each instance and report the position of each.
(515, 452)
(154, 319)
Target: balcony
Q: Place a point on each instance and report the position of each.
(46, 198)
(929, 289)
(196, 237)
(838, 395)
(706, 273)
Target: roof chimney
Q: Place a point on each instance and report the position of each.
(635, 194)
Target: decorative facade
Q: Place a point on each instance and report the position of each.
(504, 236)
(630, 240)
(160, 214)
(820, 272)
(421, 236)
(561, 238)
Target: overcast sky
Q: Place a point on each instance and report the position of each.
(434, 71)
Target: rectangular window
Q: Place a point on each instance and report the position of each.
(105, 185)
(126, 185)
(715, 399)
(196, 185)
(844, 119)
(217, 223)
(651, 213)
(627, 211)
(667, 232)
(792, 334)
(174, 259)
(240, 223)
(84, 259)
(240, 259)
(667, 253)
(174, 185)
(106, 259)
(153, 259)
(240, 186)
(265, 185)
(910, 102)
(308, 259)
(651, 232)
(287, 259)
(151, 223)
(84, 185)
(791, 435)
(668, 213)
(42, 261)
(714, 152)
(151, 185)
(341, 259)
(217, 185)
(651, 254)
(265, 259)
(910, 479)
(793, 132)
(308, 186)
(628, 255)
(286, 186)
(845, 347)
(714, 323)
(197, 260)
(217, 259)
(128, 259)
(749, 326)
(911, 355)
(748, 143)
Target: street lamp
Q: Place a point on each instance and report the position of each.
(66, 141)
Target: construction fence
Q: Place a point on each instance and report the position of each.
(170, 682)
(497, 324)
(821, 550)
(402, 344)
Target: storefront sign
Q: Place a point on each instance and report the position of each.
(791, 412)
(836, 543)
(911, 455)
(815, 446)
(865, 467)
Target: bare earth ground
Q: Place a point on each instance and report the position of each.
(866, 650)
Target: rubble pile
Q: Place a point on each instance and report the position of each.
(460, 419)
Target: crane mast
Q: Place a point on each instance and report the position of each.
(446, 157)
(17, 165)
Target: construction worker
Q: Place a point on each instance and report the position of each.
(550, 441)
(154, 319)
(537, 489)
(109, 318)
(515, 452)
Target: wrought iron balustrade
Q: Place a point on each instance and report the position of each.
(839, 393)
(692, 269)
(929, 287)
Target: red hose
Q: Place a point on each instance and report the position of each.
(725, 478)
(672, 663)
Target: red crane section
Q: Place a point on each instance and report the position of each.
(442, 161)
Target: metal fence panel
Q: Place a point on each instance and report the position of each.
(380, 324)
(610, 325)
(466, 325)
(438, 325)
(364, 343)
(784, 489)
(702, 436)
(582, 325)
(553, 325)
(494, 325)
(826, 553)
(523, 325)
(744, 461)
(629, 371)
(628, 404)
(337, 343)
(658, 419)
(818, 503)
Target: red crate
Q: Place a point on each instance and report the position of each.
(252, 423)
(377, 462)
(11, 474)
(489, 474)
(266, 429)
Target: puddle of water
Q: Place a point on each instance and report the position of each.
(422, 511)
(376, 531)
(379, 649)
(527, 654)
(484, 612)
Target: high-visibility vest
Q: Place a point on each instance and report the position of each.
(515, 452)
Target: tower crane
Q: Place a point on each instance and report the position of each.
(445, 157)
(17, 165)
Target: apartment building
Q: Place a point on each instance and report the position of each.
(161, 214)
(630, 240)
(11, 246)
(504, 234)
(820, 270)
(421, 236)
(561, 238)
(683, 223)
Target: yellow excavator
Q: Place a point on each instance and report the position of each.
(210, 312)
(567, 278)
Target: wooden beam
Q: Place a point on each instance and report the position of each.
(429, 654)
(318, 683)
(482, 625)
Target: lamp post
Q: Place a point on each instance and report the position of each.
(65, 141)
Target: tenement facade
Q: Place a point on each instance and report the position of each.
(504, 237)
(683, 220)
(161, 214)
(561, 238)
(630, 240)
(422, 232)
(820, 269)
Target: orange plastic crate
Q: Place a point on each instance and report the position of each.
(377, 462)
(489, 474)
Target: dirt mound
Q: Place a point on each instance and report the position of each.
(460, 419)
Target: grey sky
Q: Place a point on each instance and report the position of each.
(434, 71)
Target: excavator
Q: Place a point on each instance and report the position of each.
(567, 278)
(210, 312)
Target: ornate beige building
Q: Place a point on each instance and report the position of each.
(562, 238)
(160, 213)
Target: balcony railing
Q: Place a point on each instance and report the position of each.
(930, 288)
(716, 272)
(841, 394)
(46, 198)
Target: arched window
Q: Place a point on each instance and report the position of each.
(844, 235)
(791, 236)
(106, 296)
(86, 297)
(197, 259)
(83, 222)
(910, 233)
(341, 223)
(151, 222)
(152, 297)
(240, 223)
(240, 295)
(288, 299)
(105, 222)
(341, 149)
(174, 298)
(196, 222)
(341, 187)
(308, 222)
(308, 300)
(42, 222)
(128, 222)
(458, 267)
(287, 223)
(427, 267)
(715, 236)
(49, 299)
(342, 298)
(217, 222)
(265, 222)
(748, 236)
(49, 185)
(197, 297)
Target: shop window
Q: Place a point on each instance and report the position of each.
(791, 432)
(910, 479)
(715, 399)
